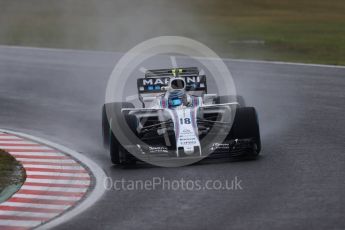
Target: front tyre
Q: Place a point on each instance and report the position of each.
(246, 126)
(105, 128)
(109, 111)
(114, 149)
(118, 154)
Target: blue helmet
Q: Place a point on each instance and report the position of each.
(177, 92)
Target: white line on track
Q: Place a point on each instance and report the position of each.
(285, 63)
(57, 181)
(30, 214)
(32, 205)
(42, 154)
(57, 174)
(52, 167)
(61, 161)
(18, 223)
(4, 138)
(56, 189)
(46, 197)
(19, 142)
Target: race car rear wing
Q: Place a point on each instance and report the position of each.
(155, 82)
(157, 73)
(157, 85)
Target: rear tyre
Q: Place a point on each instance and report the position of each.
(229, 99)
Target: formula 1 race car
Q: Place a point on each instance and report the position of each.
(179, 120)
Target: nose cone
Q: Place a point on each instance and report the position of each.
(188, 150)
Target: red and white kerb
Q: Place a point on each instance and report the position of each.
(55, 182)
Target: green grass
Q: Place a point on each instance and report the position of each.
(294, 30)
(11, 171)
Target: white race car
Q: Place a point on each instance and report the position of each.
(179, 120)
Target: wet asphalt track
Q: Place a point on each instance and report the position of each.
(298, 183)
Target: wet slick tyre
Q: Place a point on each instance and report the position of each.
(105, 128)
(118, 154)
(229, 99)
(246, 126)
(108, 111)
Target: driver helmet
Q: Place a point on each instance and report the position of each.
(177, 95)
